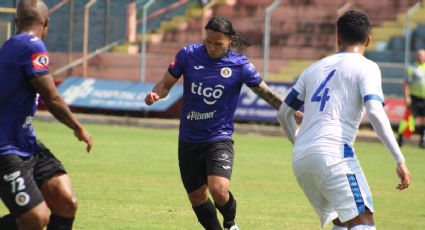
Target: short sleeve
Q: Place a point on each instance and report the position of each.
(36, 60)
(250, 75)
(370, 84)
(176, 67)
(299, 86)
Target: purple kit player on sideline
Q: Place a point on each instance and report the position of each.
(213, 77)
(32, 180)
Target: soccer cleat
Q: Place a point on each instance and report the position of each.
(234, 227)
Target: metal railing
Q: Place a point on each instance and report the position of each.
(269, 11)
(88, 57)
(7, 10)
(109, 46)
(86, 34)
(58, 6)
(8, 25)
(143, 41)
(407, 33)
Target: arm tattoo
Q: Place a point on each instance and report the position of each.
(264, 92)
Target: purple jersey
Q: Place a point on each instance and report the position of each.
(211, 91)
(22, 58)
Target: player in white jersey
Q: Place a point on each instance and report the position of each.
(335, 92)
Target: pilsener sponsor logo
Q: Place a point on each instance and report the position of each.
(194, 116)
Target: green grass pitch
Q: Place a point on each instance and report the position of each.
(131, 181)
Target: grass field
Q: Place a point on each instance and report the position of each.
(131, 181)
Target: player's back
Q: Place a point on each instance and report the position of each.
(332, 90)
(18, 58)
(11, 75)
(17, 96)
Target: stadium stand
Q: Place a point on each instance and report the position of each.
(388, 48)
(6, 20)
(391, 59)
(58, 35)
(301, 31)
(122, 66)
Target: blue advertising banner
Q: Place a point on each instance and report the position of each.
(116, 95)
(252, 108)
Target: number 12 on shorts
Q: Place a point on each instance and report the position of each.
(322, 94)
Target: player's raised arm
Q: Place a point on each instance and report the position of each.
(45, 86)
(161, 89)
(382, 127)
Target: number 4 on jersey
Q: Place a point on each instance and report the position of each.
(325, 96)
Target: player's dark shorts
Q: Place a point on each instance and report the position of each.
(418, 106)
(197, 161)
(22, 177)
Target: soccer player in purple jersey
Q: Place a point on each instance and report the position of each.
(33, 183)
(213, 77)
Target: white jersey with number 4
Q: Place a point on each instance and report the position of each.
(334, 90)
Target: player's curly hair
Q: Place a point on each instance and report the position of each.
(353, 27)
(223, 25)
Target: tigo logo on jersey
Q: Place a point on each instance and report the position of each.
(211, 95)
(40, 61)
(226, 72)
